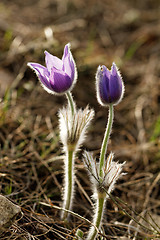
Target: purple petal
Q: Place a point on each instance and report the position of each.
(115, 87)
(103, 84)
(114, 70)
(107, 71)
(60, 81)
(41, 72)
(68, 67)
(115, 84)
(68, 63)
(52, 61)
(66, 50)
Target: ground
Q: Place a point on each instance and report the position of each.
(31, 173)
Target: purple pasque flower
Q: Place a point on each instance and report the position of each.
(109, 85)
(59, 75)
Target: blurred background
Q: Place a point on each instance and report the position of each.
(31, 167)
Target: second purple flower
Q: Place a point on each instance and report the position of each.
(59, 75)
(109, 84)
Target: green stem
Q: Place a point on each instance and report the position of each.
(105, 140)
(71, 102)
(98, 216)
(68, 184)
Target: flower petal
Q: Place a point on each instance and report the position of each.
(60, 81)
(107, 71)
(66, 50)
(41, 72)
(115, 86)
(68, 63)
(68, 67)
(114, 70)
(103, 75)
(52, 61)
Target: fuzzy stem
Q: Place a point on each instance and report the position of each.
(100, 205)
(68, 184)
(105, 141)
(71, 102)
(69, 167)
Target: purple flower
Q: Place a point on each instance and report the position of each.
(58, 76)
(109, 84)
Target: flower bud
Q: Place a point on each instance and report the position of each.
(109, 85)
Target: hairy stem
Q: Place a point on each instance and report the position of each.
(71, 102)
(97, 219)
(69, 167)
(105, 141)
(68, 183)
